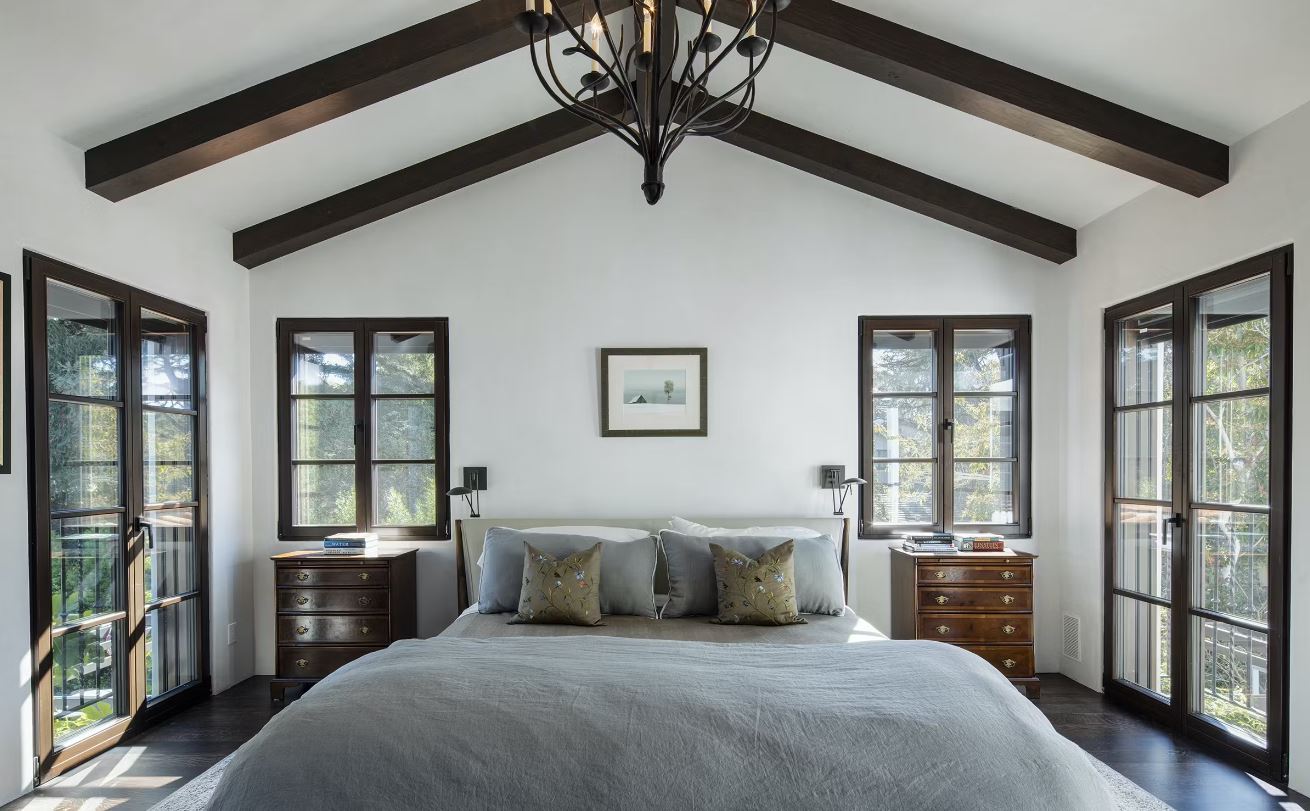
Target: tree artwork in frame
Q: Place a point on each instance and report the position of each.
(6, 452)
(654, 392)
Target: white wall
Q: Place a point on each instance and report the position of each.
(44, 207)
(766, 266)
(1161, 238)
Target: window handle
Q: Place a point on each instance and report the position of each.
(948, 425)
(1176, 520)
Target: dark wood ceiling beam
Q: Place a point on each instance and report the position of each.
(905, 187)
(554, 132)
(305, 97)
(995, 91)
(408, 187)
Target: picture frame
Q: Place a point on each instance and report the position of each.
(654, 392)
(6, 386)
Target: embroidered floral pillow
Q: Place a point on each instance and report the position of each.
(560, 592)
(756, 592)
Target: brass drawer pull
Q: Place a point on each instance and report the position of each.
(302, 663)
(302, 630)
(1009, 629)
(1009, 663)
(301, 599)
(1007, 599)
(1007, 575)
(364, 601)
(302, 575)
(943, 629)
(941, 599)
(940, 575)
(363, 630)
(363, 575)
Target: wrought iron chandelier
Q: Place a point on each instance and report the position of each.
(661, 83)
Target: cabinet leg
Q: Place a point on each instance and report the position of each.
(277, 691)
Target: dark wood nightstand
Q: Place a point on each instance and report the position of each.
(333, 609)
(979, 601)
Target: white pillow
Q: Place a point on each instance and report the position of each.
(684, 527)
(604, 533)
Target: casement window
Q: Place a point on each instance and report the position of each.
(944, 424)
(363, 427)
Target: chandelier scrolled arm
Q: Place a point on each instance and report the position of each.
(589, 111)
(663, 94)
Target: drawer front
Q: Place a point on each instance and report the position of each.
(947, 573)
(341, 600)
(318, 630)
(975, 599)
(1015, 662)
(315, 663)
(1002, 628)
(292, 575)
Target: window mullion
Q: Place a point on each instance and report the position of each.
(363, 432)
(946, 395)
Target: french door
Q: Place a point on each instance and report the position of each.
(1198, 440)
(119, 527)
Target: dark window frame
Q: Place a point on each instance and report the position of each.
(944, 328)
(363, 330)
(1176, 712)
(129, 680)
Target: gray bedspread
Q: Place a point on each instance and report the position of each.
(819, 628)
(609, 723)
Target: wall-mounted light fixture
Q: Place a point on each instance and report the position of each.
(833, 478)
(475, 481)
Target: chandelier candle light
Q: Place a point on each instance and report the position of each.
(661, 83)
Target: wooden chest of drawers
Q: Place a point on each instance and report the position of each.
(334, 609)
(982, 602)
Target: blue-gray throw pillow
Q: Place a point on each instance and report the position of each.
(627, 570)
(692, 586)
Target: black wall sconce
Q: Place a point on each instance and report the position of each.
(475, 481)
(833, 478)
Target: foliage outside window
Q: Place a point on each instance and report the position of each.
(363, 437)
(944, 424)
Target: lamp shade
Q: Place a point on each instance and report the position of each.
(854, 480)
(458, 491)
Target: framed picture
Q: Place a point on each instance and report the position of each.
(653, 392)
(6, 416)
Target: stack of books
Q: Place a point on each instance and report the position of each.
(351, 543)
(937, 543)
(979, 542)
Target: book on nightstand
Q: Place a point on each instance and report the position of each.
(351, 543)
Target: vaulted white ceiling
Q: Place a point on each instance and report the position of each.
(92, 71)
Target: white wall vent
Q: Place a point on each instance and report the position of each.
(1073, 637)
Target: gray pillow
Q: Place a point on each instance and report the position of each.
(627, 570)
(817, 563)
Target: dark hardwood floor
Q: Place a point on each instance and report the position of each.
(150, 766)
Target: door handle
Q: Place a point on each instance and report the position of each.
(142, 527)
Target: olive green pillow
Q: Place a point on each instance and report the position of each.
(560, 592)
(756, 592)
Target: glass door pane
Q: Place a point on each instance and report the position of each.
(1231, 452)
(1142, 486)
(169, 503)
(87, 503)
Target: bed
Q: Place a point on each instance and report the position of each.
(660, 713)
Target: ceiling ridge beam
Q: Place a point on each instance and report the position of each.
(998, 92)
(413, 185)
(905, 187)
(305, 97)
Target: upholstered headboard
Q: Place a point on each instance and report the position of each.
(470, 533)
